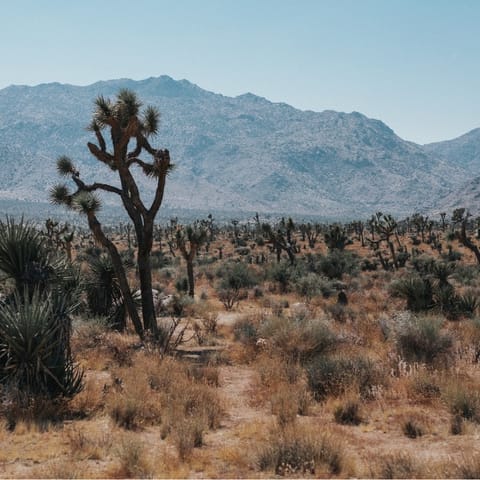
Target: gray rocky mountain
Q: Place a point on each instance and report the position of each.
(237, 154)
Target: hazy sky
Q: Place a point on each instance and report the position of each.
(413, 64)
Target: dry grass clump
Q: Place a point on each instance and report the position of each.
(282, 384)
(298, 450)
(88, 445)
(132, 459)
(412, 428)
(463, 399)
(99, 347)
(348, 413)
(296, 338)
(397, 465)
(61, 468)
(188, 434)
(420, 339)
(425, 386)
(335, 375)
(467, 466)
(164, 392)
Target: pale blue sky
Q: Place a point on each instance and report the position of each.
(413, 64)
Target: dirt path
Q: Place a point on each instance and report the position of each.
(235, 387)
(228, 447)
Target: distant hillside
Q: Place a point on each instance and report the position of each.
(463, 151)
(233, 154)
(467, 196)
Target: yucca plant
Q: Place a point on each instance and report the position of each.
(104, 295)
(416, 290)
(28, 263)
(35, 358)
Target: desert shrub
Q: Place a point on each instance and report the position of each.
(337, 263)
(181, 285)
(447, 301)
(457, 425)
(466, 274)
(348, 413)
(368, 265)
(312, 284)
(235, 278)
(464, 401)
(426, 386)
(451, 255)
(284, 405)
(245, 330)
(296, 451)
(412, 429)
(468, 304)
(421, 340)
(133, 463)
(398, 465)
(159, 260)
(282, 273)
(298, 339)
(336, 375)
(188, 435)
(423, 264)
(127, 411)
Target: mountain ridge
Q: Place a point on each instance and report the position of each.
(242, 152)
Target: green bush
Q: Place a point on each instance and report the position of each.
(181, 285)
(235, 278)
(245, 330)
(337, 263)
(312, 284)
(282, 273)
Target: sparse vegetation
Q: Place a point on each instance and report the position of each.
(293, 345)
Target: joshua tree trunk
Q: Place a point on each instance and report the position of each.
(191, 279)
(125, 123)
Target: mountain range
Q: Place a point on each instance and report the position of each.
(239, 154)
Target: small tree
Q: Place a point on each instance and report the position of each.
(125, 123)
(196, 237)
(235, 279)
(460, 218)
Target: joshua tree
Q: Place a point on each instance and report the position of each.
(336, 238)
(196, 237)
(460, 217)
(281, 240)
(125, 123)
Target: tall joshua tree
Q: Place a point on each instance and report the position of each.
(125, 123)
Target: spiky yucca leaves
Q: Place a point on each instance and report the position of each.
(26, 261)
(65, 166)
(336, 238)
(104, 295)
(416, 290)
(35, 360)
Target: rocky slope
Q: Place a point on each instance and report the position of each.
(241, 154)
